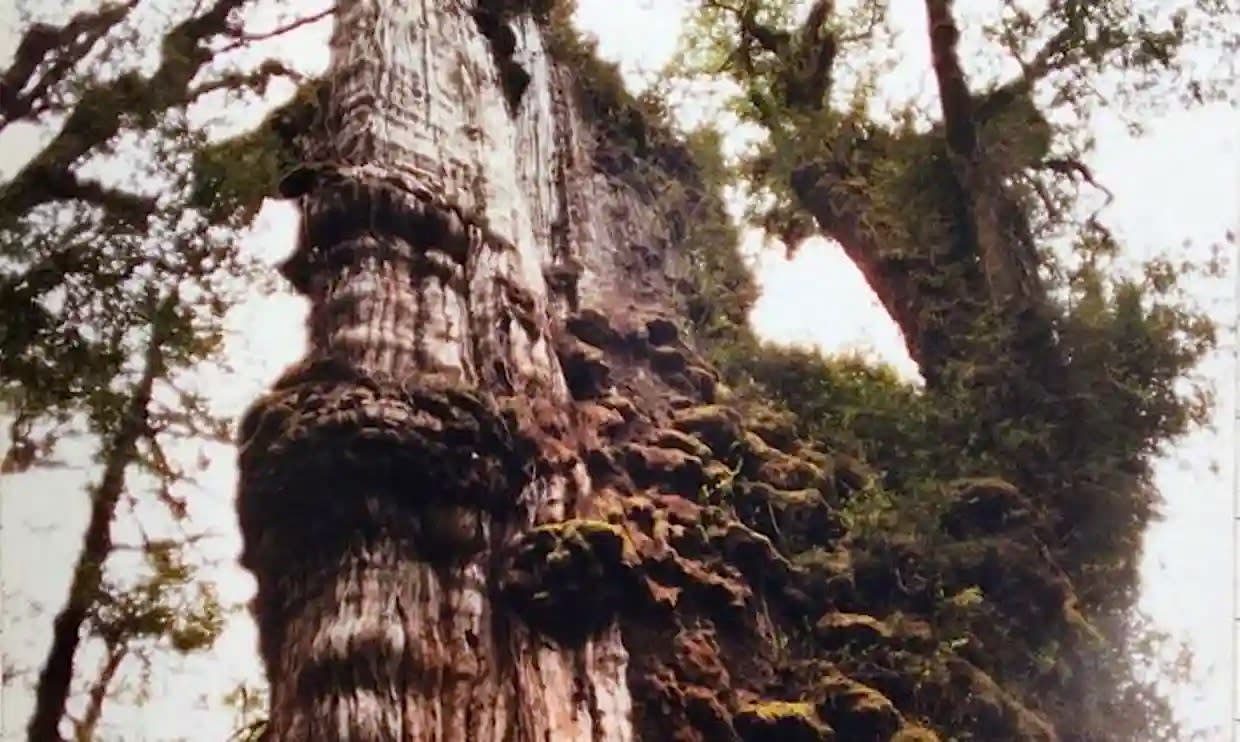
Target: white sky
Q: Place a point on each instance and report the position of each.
(818, 298)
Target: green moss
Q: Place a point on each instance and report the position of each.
(605, 540)
(780, 470)
(855, 710)
(780, 710)
(667, 469)
(717, 426)
(834, 561)
(231, 178)
(839, 629)
(569, 580)
(906, 467)
(781, 721)
(683, 442)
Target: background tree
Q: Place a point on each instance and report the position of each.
(114, 286)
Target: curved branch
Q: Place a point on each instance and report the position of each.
(257, 79)
(246, 38)
(70, 42)
(1071, 166)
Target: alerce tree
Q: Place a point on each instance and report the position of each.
(386, 477)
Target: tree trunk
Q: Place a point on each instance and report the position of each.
(85, 728)
(431, 424)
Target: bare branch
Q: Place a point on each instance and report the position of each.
(257, 79)
(1043, 62)
(188, 540)
(1046, 197)
(1074, 167)
(245, 38)
(85, 728)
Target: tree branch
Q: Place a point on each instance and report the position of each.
(46, 185)
(773, 41)
(85, 728)
(70, 42)
(954, 94)
(100, 111)
(809, 74)
(245, 38)
(844, 214)
(1043, 61)
(257, 79)
(1071, 166)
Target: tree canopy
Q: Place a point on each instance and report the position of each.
(976, 220)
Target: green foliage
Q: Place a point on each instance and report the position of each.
(78, 294)
(169, 604)
(722, 288)
(113, 293)
(237, 174)
(855, 407)
(918, 441)
(232, 177)
(1078, 439)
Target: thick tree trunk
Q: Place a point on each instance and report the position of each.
(431, 424)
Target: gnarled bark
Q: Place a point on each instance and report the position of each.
(431, 424)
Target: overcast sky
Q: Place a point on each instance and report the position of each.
(819, 298)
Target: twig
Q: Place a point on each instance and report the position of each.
(245, 38)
